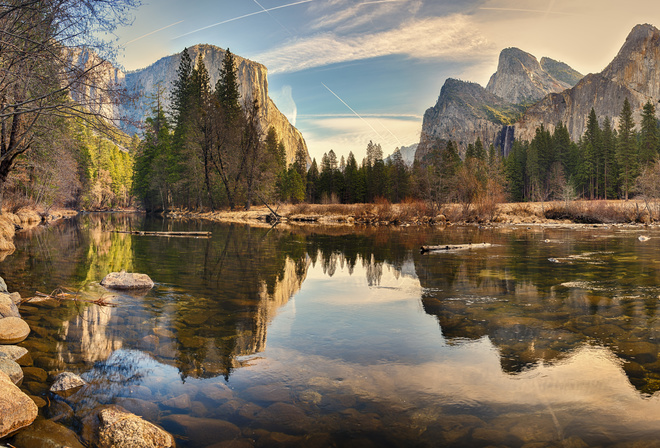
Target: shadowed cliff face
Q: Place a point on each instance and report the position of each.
(253, 83)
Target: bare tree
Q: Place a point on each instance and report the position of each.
(50, 53)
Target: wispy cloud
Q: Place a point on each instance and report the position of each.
(262, 11)
(454, 37)
(345, 16)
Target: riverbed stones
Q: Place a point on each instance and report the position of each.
(17, 410)
(127, 280)
(113, 426)
(13, 330)
(67, 383)
(47, 433)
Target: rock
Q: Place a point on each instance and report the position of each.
(13, 352)
(13, 330)
(182, 402)
(12, 369)
(40, 402)
(7, 307)
(67, 383)
(35, 374)
(113, 426)
(59, 411)
(46, 433)
(143, 408)
(126, 280)
(15, 297)
(269, 392)
(201, 431)
(3, 286)
(17, 410)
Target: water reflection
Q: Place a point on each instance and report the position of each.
(328, 337)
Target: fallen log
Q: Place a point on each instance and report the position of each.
(453, 247)
(154, 233)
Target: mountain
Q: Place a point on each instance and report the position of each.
(253, 82)
(520, 78)
(634, 73)
(407, 153)
(466, 110)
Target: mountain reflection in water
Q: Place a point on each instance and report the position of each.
(342, 336)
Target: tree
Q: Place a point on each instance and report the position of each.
(38, 83)
(649, 138)
(626, 149)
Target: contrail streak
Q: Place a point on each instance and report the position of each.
(356, 114)
(244, 16)
(153, 32)
(541, 11)
(273, 17)
(391, 133)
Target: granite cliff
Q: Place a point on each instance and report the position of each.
(253, 82)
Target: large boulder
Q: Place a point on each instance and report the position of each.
(17, 410)
(127, 280)
(113, 426)
(13, 330)
(13, 352)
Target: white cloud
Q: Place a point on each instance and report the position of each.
(454, 38)
(284, 101)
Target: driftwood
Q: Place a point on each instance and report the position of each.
(177, 234)
(61, 295)
(454, 247)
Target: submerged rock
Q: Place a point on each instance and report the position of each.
(67, 383)
(113, 426)
(13, 352)
(47, 433)
(17, 410)
(127, 280)
(201, 431)
(13, 330)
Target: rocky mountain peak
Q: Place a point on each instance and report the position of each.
(521, 79)
(637, 65)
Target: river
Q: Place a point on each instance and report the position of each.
(349, 336)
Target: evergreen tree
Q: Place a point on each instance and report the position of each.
(226, 89)
(649, 138)
(626, 150)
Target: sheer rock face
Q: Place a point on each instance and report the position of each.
(464, 112)
(253, 83)
(521, 79)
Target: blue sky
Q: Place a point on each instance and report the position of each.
(349, 71)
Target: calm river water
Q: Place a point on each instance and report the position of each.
(350, 337)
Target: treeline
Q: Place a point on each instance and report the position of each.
(604, 164)
(211, 151)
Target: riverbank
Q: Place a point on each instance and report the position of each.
(422, 213)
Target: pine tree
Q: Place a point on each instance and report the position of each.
(649, 138)
(626, 149)
(226, 89)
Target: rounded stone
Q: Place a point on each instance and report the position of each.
(47, 433)
(66, 382)
(13, 330)
(127, 280)
(113, 426)
(13, 352)
(12, 369)
(17, 410)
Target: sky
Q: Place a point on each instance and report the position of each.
(346, 72)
